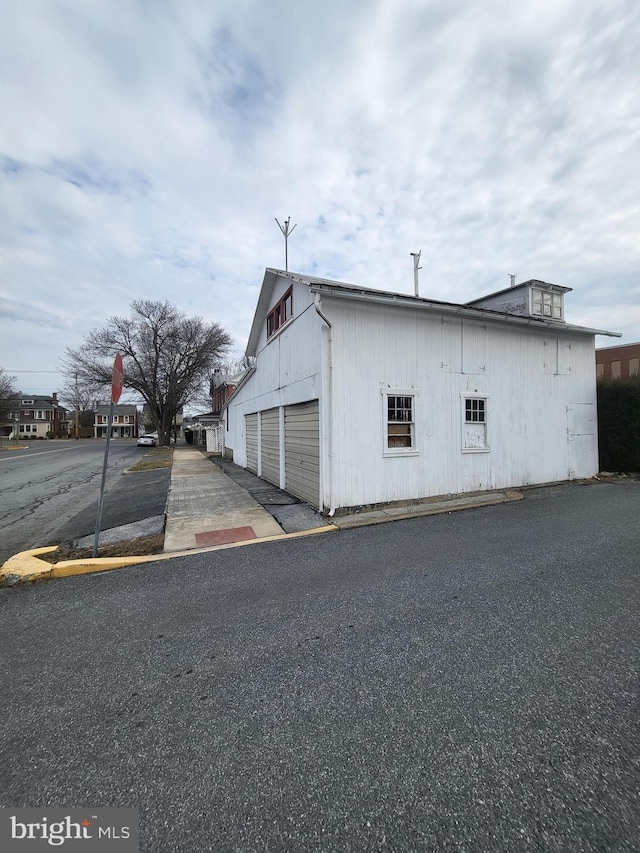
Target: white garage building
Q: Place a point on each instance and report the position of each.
(362, 397)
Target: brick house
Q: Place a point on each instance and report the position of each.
(124, 424)
(35, 415)
(619, 362)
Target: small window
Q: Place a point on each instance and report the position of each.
(634, 366)
(547, 304)
(400, 427)
(280, 313)
(474, 428)
(615, 370)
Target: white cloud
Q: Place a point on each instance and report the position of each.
(148, 146)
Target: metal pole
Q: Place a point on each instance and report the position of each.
(77, 406)
(285, 233)
(104, 476)
(416, 261)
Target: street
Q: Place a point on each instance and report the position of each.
(50, 491)
(462, 682)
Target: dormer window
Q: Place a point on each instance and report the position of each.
(280, 313)
(546, 303)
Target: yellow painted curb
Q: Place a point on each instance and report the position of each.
(26, 568)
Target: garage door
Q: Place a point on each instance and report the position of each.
(302, 451)
(270, 438)
(251, 423)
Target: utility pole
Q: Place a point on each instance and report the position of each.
(416, 261)
(285, 232)
(77, 403)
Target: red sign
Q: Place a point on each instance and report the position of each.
(117, 378)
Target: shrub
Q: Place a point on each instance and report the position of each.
(51, 434)
(619, 424)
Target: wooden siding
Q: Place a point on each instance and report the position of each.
(270, 445)
(528, 376)
(302, 451)
(252, 442)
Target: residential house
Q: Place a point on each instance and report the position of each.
(362, 397)
(34, 416)
(221, 387)
(124, 424)
(619, 362)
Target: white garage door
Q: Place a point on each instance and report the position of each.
(251, 423)
(302, 451)
(270, 438)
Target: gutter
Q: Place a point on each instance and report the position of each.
(329, 420)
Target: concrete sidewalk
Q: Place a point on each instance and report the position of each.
(205, 507)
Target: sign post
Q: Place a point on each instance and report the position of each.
(117, 378)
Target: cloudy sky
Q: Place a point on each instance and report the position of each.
(146, 147)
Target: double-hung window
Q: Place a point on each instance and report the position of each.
(474, 425)
(400, 423)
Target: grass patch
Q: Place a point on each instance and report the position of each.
(140, 547)
(157, 457)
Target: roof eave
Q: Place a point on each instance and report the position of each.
(453, 308)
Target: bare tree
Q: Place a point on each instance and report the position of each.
(8, 393)
(167, 357)
(84, 398)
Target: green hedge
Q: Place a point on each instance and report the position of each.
(619, 424)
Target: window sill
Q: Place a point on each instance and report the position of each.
(392, 453)
(476, 450)
(280, 329)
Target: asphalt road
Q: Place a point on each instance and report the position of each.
(464, 682)
(49, 493)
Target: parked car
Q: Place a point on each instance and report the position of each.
(148, 440)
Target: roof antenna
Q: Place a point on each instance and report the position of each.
(416, 261)
(285, 233)
(512, 276)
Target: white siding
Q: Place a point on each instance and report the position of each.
(378, 347)
(287, 370)
(538, 384)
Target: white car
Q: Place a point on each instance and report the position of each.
(148, 440)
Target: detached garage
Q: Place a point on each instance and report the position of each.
(419, 397)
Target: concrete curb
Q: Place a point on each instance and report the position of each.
(27, 568)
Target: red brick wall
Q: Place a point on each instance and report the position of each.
(618, 362)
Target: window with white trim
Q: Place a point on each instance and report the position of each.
(546, 303)
(400, 422)
(474, 426)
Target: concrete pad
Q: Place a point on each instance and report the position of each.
(147, 527)
(180, 532)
